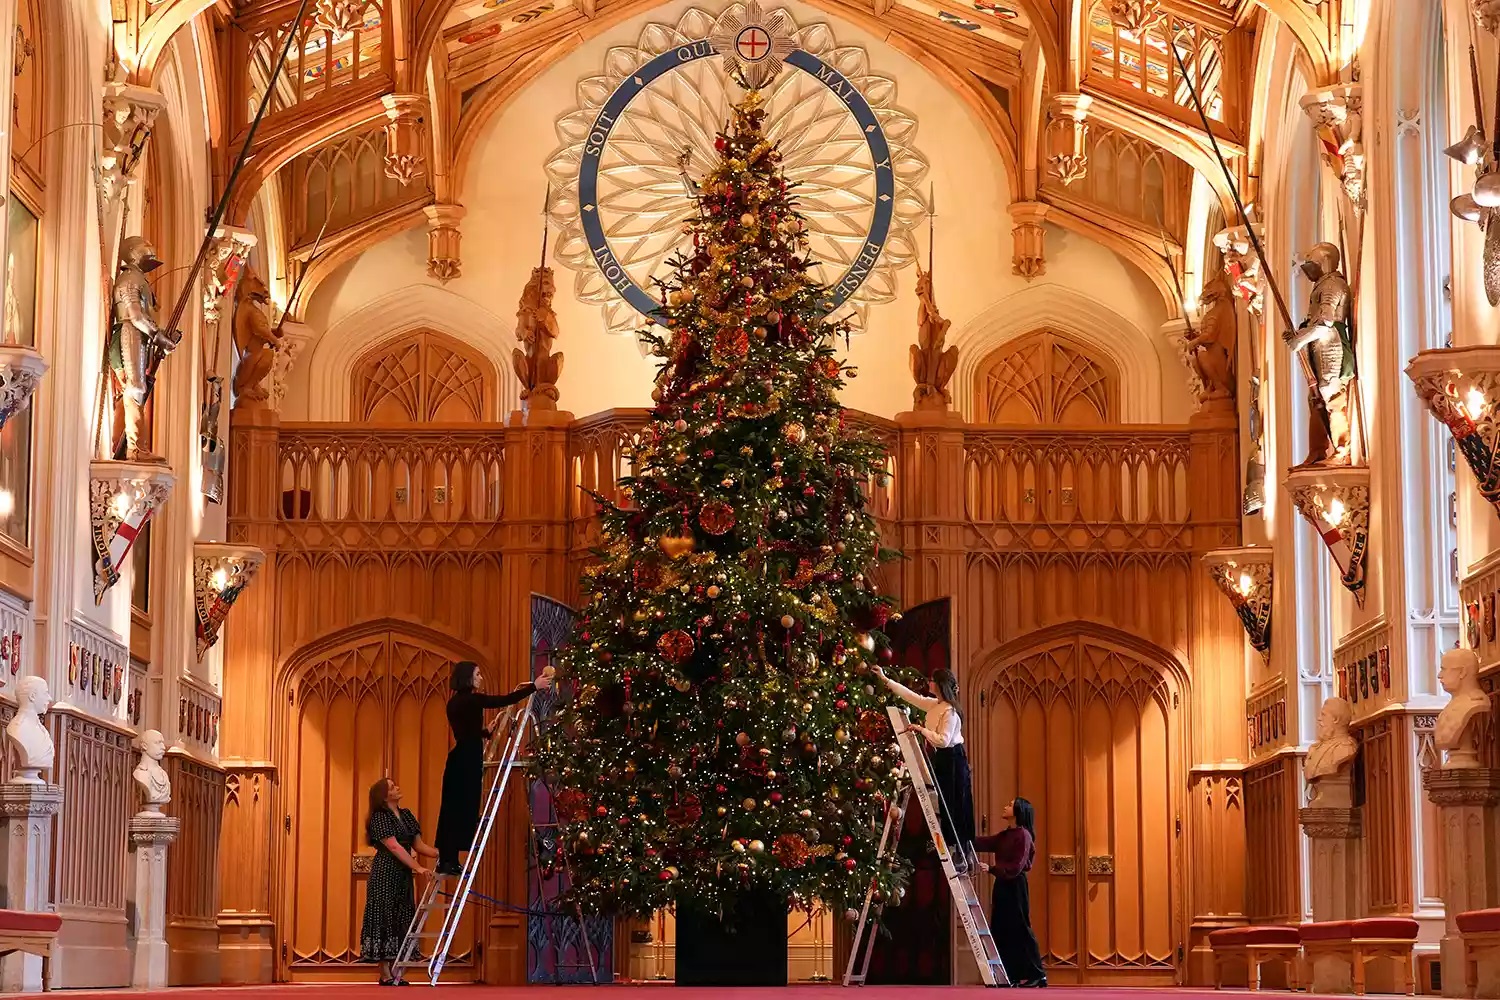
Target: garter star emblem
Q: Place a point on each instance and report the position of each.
(651, 117)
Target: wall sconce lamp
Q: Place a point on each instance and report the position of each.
(220, 573)
(1461, 387)
(21, 368)
(1336, 502)
(1244, 575)
(122, 498)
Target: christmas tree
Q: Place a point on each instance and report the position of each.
(725, 733)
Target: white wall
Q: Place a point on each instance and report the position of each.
(504, 189)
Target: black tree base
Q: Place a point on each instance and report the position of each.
(745, 948)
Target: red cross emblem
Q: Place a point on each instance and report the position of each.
(752, 44)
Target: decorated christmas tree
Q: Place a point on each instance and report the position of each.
(725, 733)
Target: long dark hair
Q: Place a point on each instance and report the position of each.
(462, 677)
(380, 793)
(1025, 817)
(947, 688)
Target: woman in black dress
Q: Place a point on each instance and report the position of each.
(463, 775)
(397, 839)
(1010, 904)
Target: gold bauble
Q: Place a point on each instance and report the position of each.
(748, 804)
(787, 621)
(757, 847)
(743, 739)
(747, 219)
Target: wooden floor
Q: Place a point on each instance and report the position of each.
(665, 991)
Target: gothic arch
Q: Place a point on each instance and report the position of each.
(422, 376)
(1046, 378)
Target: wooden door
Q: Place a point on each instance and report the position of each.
(365, 704)
(1089, 730)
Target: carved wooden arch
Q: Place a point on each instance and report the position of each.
(312, 652)
(991, 658)
(156, 34)
(1061, 380)
(424, 372)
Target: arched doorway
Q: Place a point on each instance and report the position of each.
(1089, 724)
(363, 703)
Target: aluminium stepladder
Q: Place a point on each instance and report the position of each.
(504, 751)
(960, 886)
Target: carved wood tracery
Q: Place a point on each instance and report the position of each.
(342, 184)
(321, 63)
(423, 377)
(1046, 378)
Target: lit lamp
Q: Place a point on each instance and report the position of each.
(21, 368)
(1461, 386)
(122, 498)
(220, 573)
(1244, 575)
(1336, 502)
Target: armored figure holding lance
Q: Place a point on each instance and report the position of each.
(1326, 338)
(136, 340)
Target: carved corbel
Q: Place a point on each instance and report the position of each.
(294, 340)
(122, 498)
(227, 254)
(1028, 253)
(220, 574)
(1245, 577)
(1336, 502)
(443, 238)
(1487, 15)
(1337, 116)
(1242, 266)
(1134, 16)
(1176, 332)
(405, 136)
(1461, 387)
(1068, 137)
(130, 113)
(21, 369)
(339, 16)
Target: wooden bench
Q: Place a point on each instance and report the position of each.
(1256, 946)
(1481, 934)
(1360, 941)
(30, 933)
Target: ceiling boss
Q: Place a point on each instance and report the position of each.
(645, 126)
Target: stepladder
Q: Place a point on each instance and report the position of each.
(448, 895)
(922, 784)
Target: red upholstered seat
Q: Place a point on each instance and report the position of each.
(1328, 930)
(1387, 928)
(1267, 934)
(1477, 922)
(21, 920)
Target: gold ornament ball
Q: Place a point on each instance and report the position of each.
(749, 804)
(757, 847)
(747, 282)
(739, 846)
(722, 811)
(841, 735)
(743, 739)
(680, 458)
(747, 219)
(713, 591)
(795, 433)
(787, 621)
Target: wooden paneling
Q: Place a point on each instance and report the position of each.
(193, 872)
(1272, 840)
(1387, 820)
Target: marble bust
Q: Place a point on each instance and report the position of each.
(26, 738)
(1455, 731)
(1330, 755)
(149, 775)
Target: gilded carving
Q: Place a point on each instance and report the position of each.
(932, 363)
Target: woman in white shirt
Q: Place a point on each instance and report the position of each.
(943, 730)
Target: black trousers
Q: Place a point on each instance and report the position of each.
(1010, 921)
(458, 816)
(950, 766)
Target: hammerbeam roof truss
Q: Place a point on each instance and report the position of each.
(459, 62)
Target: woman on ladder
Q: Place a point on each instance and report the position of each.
(463, 775)
(943, 730)
(1010, 904)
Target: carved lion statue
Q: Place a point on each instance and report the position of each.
(254, 338)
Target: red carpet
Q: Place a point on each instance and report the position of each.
(659, 991)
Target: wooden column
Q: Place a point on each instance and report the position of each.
(252, 810)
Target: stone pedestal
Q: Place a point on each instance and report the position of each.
(151, 834)
(28, 809)
(1466, 798)
(1337, 867)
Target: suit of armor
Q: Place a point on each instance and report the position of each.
(135, 337)
(1326, 338)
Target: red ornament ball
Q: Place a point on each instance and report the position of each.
(676, 646)
(873, 726)
(571, 804)
(601, 812)
(849, 864)
(717, 517)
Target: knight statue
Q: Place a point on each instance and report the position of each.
(255, 340)
(932, 364)
(1328, 343)
(537, 368)
(1212, 346)
(137, 343)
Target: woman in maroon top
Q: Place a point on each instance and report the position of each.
(1010, 905)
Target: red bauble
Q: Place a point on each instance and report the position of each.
(676, 646)
(571, 804)
(685, 813)
(732, 344)
(849, 864)
(601, 812)
(717, 517)
(885, 654)
(880, 614)
(873, 726)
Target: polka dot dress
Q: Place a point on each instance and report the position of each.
(389, 904)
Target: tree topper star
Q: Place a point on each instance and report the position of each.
(755, 45)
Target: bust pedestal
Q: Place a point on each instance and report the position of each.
(1465, 797)
(28, 808)
(151, 834)
(1337, 867)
